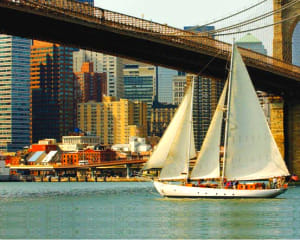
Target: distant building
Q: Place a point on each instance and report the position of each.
(179, 86)
(89, 85)
(207, 92)
(161, 116)
(199, 29)
(88, 156)
(114, 121)
(82, 56)
(140, 84)
(136, 144)
(164, 78)
(91, 2)
(252, 43)
(75, 143)
(112, 66)
(14, 93)
(52, 91)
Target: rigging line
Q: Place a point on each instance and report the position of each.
(205, 34)
(258, 28)
(252, 20)
(210, 61)
(232, 15)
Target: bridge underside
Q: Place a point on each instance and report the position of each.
(73, 32)
(101, 38)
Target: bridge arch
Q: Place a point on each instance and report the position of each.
(283, 33)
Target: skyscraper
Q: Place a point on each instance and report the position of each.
(179, 85)
(14, 93)
(52, 91)
(139, 84)
(89, 85)
(164, 78)
(81, 56)
(112, 66)
(206, 94)
(252, 43)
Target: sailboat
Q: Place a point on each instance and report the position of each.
(250, 159)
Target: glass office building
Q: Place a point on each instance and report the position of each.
(14, 93)
(164, 77)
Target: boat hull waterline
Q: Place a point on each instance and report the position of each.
(180, 191)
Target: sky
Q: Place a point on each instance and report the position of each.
(176, 13)
(180, 13)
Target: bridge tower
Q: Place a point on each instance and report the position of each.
(283, 33)
(282, 49)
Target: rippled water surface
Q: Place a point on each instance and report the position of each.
(135, 210)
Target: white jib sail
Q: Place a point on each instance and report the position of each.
(161, 152)
(176, 164)
(208, 161)
(251, 150)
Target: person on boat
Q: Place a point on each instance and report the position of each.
(229, 184)
(274, 182)
(234, 184)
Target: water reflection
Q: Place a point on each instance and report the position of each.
(134, 210)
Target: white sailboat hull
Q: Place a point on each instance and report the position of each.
(180, 191)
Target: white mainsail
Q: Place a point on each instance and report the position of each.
(162, 150)
(208, 161)
(181, 150)
(251, 151)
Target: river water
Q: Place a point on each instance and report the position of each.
(134, 210)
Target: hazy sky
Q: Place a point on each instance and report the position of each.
(177, 13)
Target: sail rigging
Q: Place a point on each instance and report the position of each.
(176, 165)
(208, 160)
(174, 134)
(251, 151)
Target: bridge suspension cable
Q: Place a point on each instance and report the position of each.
(252, 20)
(230, 16)
(258, 28)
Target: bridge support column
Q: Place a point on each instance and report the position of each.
(292, 134)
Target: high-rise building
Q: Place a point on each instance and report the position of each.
(139, 84)
(112, 66)
(206, 94)
(164, 77)
(91, 2)
(161, 116)
(14, 93)
(252, 43)
(179, 86)
(52, 91)
(89, 85)
(114, 121)
(81, 56)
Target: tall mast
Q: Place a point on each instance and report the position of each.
(227, 115)
(190, 131)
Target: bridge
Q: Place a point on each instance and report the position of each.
(81, 25)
